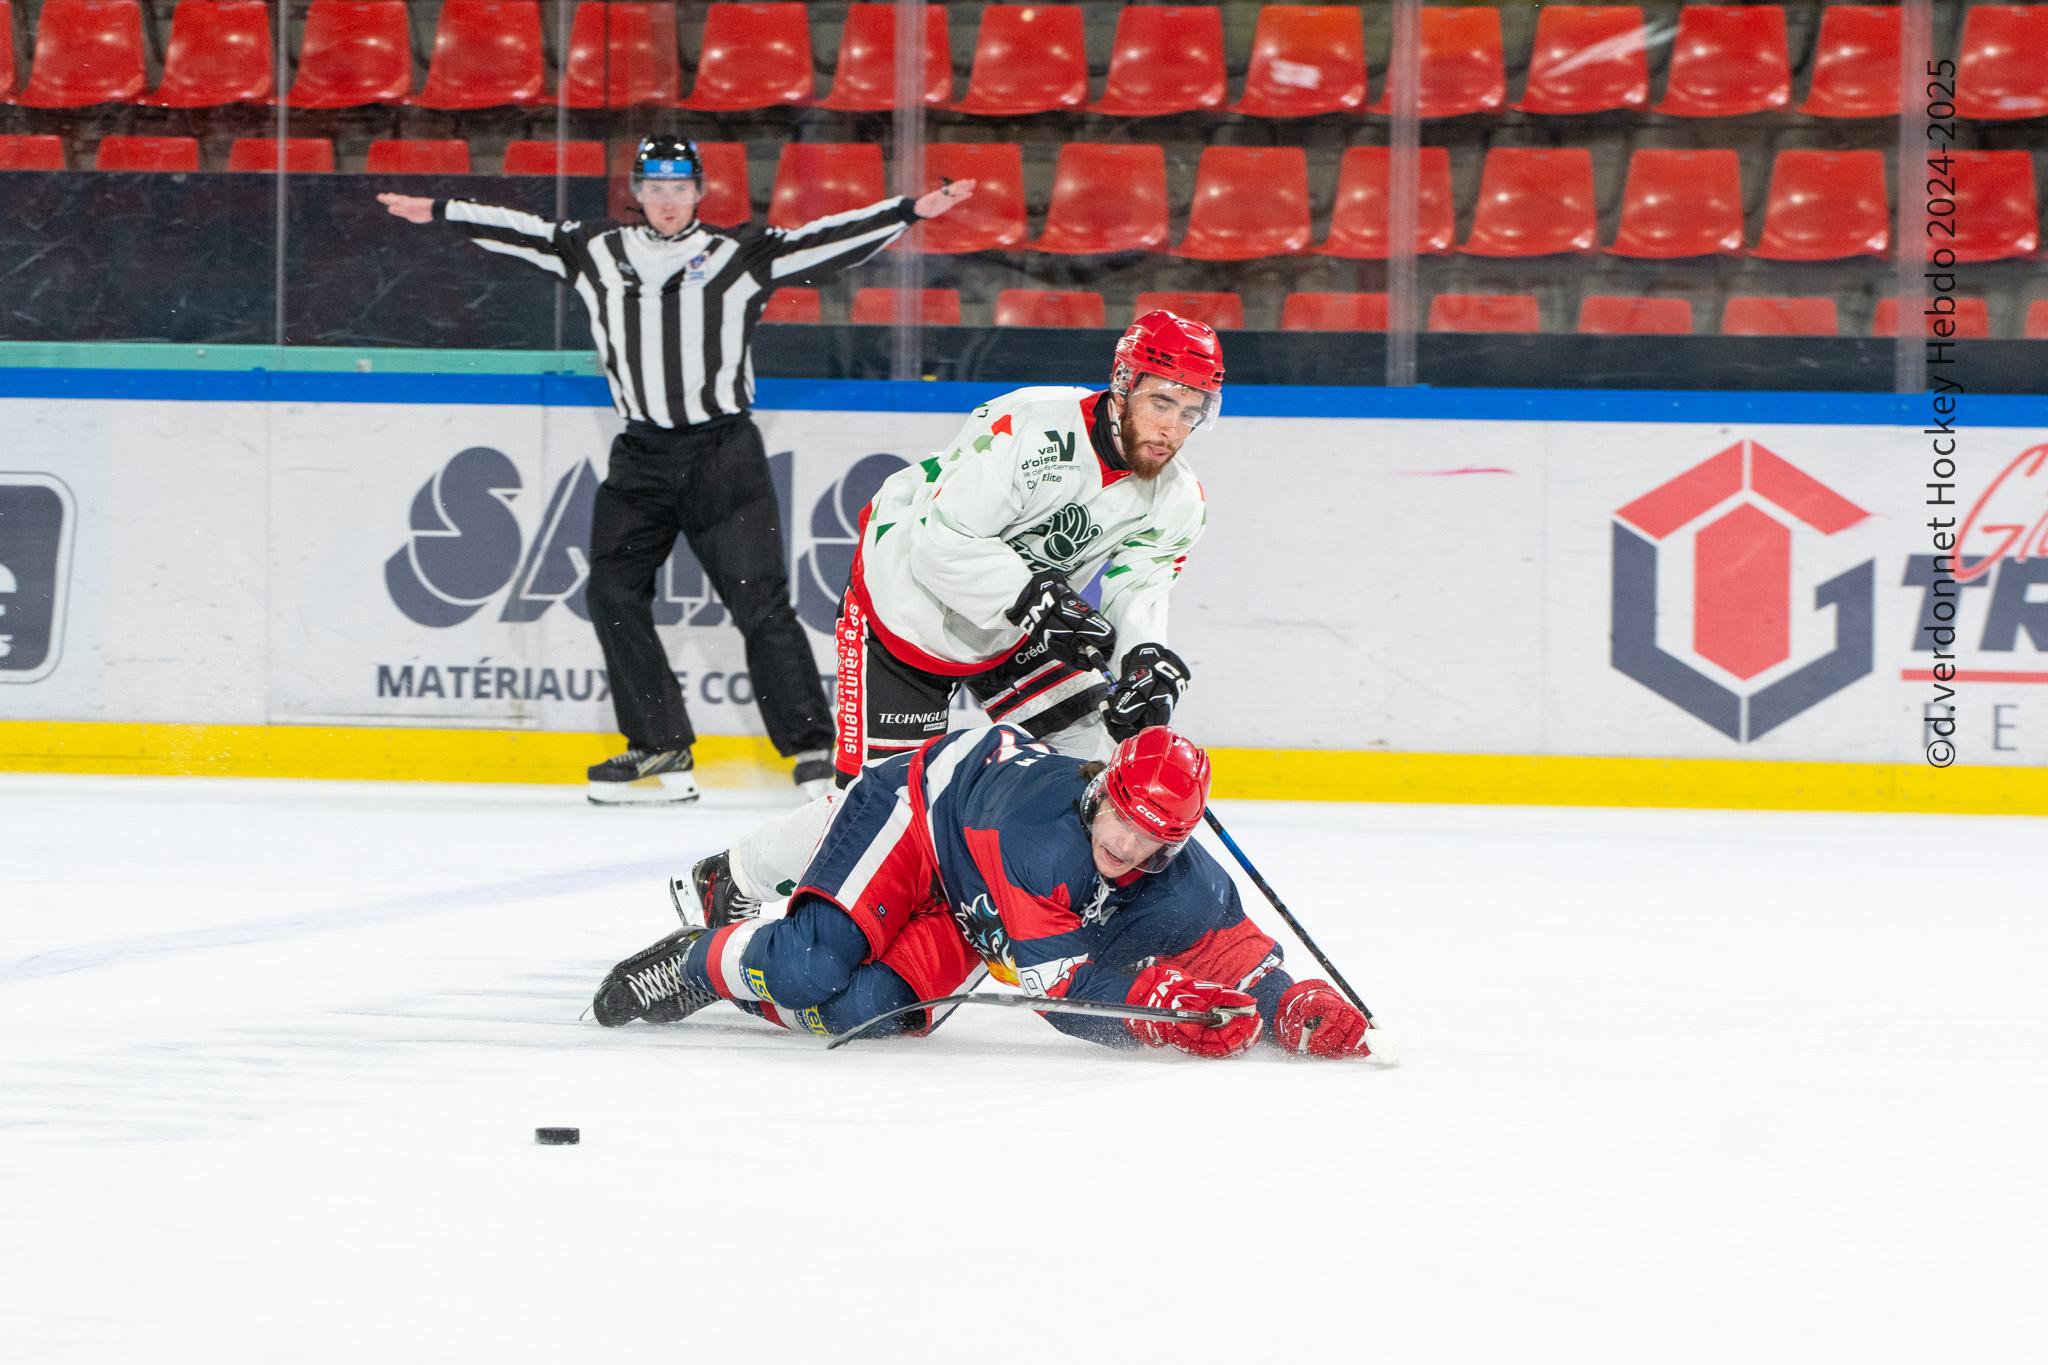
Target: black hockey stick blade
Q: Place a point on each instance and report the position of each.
(1046, 1004)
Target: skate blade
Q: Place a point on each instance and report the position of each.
(663, 789)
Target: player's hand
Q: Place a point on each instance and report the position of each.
(1154, 678)
(945, 198)
(1163, 987)
(1073, 632)
(1315, 1020)
(411, 207)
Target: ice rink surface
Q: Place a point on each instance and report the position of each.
(1738, 1088)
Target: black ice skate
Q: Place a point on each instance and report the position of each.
(649, 985)
(814, 774)
(644, 777)
(711, 898)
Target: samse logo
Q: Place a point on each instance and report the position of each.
(37, 520)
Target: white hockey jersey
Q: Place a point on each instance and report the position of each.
(947, 545)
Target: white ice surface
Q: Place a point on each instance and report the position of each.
(1678, 1087)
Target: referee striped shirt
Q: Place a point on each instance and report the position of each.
(673, 317)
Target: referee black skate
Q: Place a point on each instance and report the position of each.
(672, 306)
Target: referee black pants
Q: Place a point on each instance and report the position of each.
(708, 483)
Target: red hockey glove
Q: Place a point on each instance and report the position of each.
(1315, 1020)
(1163, 987)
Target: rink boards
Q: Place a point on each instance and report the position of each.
(1585, 598)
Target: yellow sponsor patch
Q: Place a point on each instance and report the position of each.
(814, 1022)
(758, 984)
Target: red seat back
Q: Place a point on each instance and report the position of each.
(1485, 313)
(1334, 313)
(1769, 316)
(355, 52)
(528, 157)
(120, 153)
(1825, 206)
(1971, 319)
(1167, 59)
(728, 200)
(1587, 59)
(794, 303)
(2003, 68)
(2036, 328)
(1855, 63)
(1106, 197)
(487, 54)
(1306, 59)
(866, 77)
(1679, 203)
(1462, 68)
(814, 179)
(31, 152)
(1617, 315)
(933, 307)
(1049, 308)
(1028, 59)
(7, 55)
(1222, 311)
(1250, 202)
(1358, 223)
(620, 55)
(87, 52)
(220, 53)
(754, 57)
(1534, 201)
(293, 155)
(1995, 216)
(993, 220)
(418, 156)
(1727, 60)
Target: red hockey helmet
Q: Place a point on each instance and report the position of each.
(1178, 350)
(1158, 783)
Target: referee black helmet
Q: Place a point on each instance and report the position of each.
(667, 157)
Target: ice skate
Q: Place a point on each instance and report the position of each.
(649, 985)
(709, 898)
(644, 777)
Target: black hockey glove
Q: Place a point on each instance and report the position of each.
(1051, 611)
(1154, 678)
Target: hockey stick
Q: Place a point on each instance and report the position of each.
(1214, 1018)
(1273, 898)
(980, 975)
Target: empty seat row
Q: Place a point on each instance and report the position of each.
(1598, 314)
(1305, 60)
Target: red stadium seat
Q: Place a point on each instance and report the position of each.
(418, 156)
(487, 54)
(301, 155)
(355, 52)
(794, 304)
(1106, 197)
(1250, 202)
(147, 154)
(1358, 223)
(1678, 204)
(1995, 216)
(1334, 313)
(7, 59)
(1534, 201)
(993, 220)
(1028, 59)
(814, 179)
(1587, 59)
(728, 198)
(1049, 308)
(1778, 317)
(1855, 63)
(220, 53)
(1972, 319)
(31, 152)
(2003, 71)
(1463, 71)
(935, 307)
(1224, 311)
(620, 56)
(2036, 328)
(1485, 313)
(87, 52)
(1167, 59)
(526, 157)
(1825, 206)
(1306, 59)
(1727, 60)
(866, 79)
(754, 57)
(1616, 315)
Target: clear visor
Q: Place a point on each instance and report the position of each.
(1164, 400)
(1124, 841)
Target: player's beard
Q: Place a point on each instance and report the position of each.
(1142, 467)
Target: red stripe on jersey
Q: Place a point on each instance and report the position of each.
(1227, 955)
(1110, 474)
(1026, 916)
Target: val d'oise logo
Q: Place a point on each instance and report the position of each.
(1738, 513)
(467, 548)
(37, 521)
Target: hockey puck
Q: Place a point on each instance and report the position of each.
(557, 1137)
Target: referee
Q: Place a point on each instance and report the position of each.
(672, 306)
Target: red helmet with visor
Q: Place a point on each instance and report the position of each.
(1157, 782)
(1179, 350)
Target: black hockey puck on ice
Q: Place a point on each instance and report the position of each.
(557, 1137)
